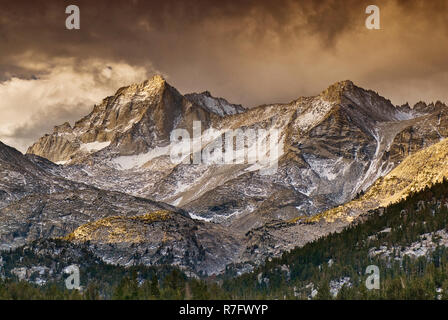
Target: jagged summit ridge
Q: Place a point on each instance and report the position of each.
(346, 93)
(114, 117)
(137, 118)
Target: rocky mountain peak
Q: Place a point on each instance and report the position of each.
(111, 121)
(334, 92)
(156, 83)
(340, 91)
(420, 106)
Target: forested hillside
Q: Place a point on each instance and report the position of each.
(407, 241)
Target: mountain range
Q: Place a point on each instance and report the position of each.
(108, 181)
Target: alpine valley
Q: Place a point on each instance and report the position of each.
(105, 188)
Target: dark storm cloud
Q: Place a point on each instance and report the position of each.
(140, 30)
(115, 24)
(197, 43)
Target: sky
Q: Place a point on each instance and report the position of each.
(250, 52)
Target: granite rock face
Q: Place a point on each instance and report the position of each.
(160, 238)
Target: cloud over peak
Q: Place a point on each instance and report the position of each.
(64, 92)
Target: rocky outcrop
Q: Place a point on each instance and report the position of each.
(160, 238)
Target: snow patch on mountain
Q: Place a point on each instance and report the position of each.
(196, 217)
(94, 146)
(136, 161)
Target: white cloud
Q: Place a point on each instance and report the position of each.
(65, 91)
